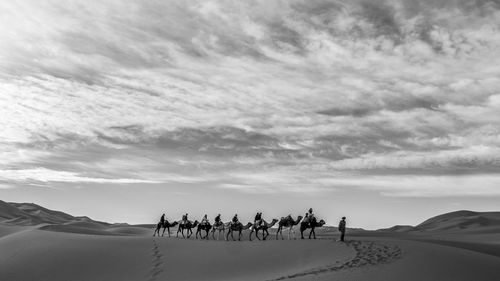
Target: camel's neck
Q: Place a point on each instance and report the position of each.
(299, 218)
(272, 223)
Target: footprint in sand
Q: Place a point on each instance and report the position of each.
(367, 253)
(157, 262)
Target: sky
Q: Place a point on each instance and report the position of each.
(383, 111)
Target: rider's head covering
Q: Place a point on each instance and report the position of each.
(343, 218)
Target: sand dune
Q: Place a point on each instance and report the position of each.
(67, 256)
(33, 214)
(461, 220)
(79, 248)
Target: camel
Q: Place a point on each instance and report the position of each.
(188, 226)
(166, 225)
(206, 227)
(219, 227)
(289, 223)
(312, 225)
(264, 226)
(237, 227)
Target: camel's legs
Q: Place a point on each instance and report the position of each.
(293, 232)
(313, 233)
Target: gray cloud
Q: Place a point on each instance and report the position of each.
(370, 86)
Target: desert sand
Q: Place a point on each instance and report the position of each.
(83, 249)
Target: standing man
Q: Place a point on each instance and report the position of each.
(342, 229)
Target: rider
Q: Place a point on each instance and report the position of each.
(162, 219)
(185, 218)
(258, 219)
(311, 215)
(217, 219)
(204, 220)
(235, 219)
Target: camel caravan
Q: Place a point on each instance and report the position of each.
(204, 229)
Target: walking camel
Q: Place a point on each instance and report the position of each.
(312, 224)
(219, 227)
(289, 223)
(237, 227)
(165, 225)
(264, 226)
(186, 226)
(205, 227)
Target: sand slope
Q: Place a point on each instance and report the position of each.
(66, 256)
(457, 246)
(421, 261)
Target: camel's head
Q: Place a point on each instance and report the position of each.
(196, 222)
(299, 218)
(175, 223)
(321, 223)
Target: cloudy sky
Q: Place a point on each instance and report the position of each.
(387, 112)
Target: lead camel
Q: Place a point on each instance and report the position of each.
(312, 224)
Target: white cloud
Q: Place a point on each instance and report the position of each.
(46, 175)
(331, 84)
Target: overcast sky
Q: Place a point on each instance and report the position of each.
(387, 112)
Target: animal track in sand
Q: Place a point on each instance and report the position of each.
(367, 253)
(157, 262)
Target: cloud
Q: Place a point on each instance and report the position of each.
(46, 175)
(218, 86)
(423, 186)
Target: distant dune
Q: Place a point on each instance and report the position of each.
(33, 214)
(459, 221)
(462, 220)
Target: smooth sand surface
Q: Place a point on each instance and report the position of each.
(53, 253)
(35, 254)
(422, 261)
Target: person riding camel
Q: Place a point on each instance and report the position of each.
(311, 215)
(217, 219)
(258, 220)
(185, 219)
(235, 220)
(204, 220)
(162, 219)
